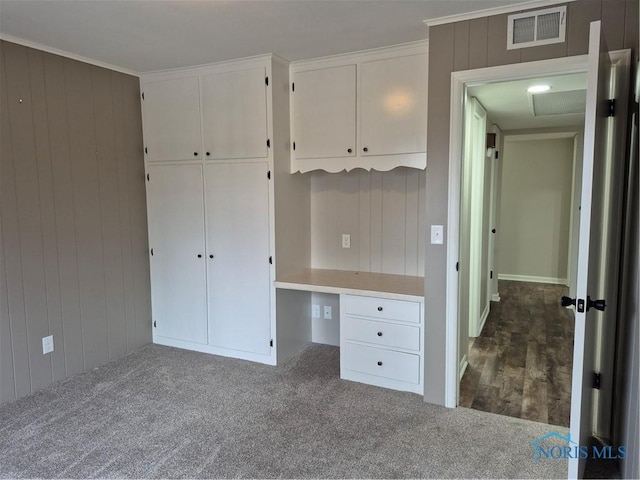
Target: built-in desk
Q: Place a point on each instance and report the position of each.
(381, 324)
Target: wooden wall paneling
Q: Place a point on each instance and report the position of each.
(631, 25)
(364, 222)
(28, 208)
(71, 330)
(48, 214)
(462, 45)
(394, 191)
(86, 190)
(422, 224)
(348, 215)
(497, 53)
(613, 23)
(139, 238)
(110, 212)
(579, 16)
(11, 245)
(124, 205)
(477, 43)
(412, 221)
(7, 379)
(376, 222)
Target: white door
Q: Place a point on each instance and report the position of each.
(237, 206)
(176, 241)
(589, 258)
(171, 110)
(393, 105)
(324, 112)
(234, 114)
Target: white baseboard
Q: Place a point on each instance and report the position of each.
(483, 317)
(495, 297)
(464, 363)
(529, 278)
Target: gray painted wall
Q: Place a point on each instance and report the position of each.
(73, 230)
(473, 44)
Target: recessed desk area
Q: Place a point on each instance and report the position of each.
(381, 324)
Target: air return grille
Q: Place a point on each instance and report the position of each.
(541, 27)
(559, 103)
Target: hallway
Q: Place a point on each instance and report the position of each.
(520, 365)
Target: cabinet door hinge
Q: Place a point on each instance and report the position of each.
(497, 154)
(155, 325)
(293, 86)
(142, 95)
(457, 266)
(271, 260)
(491, 274)
(294, 146)
(266, 81)
(151, 252)
(146, 150)
(596, 380)
(611, 107)
(268, 143)
(269, 174)
(148, 177)
(271, 342)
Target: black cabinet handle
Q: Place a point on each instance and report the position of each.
(195, 154)
(210, 256)
(208, 154)
(379, 334)
(199, 255)
(379, 364)
(379, 309)
(349, 150)
(365, 149)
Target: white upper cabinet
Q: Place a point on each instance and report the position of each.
(393, 110)
(234, 114)
(324, 119)
(172, 119)
(363, 110)
(210, 113)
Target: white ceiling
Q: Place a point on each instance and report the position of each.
(148, 35)
(508, 104)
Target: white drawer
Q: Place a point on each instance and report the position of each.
(382, 308)
(382, 333)
(403, 367)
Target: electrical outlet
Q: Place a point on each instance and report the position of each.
(327, 312)
(437, 234)
(346, 240)
(315, 311)
(47, 344)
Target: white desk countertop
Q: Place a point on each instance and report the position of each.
(381, 285)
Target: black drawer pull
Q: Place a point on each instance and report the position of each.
(199, 255)
(379, 309)
(195, 154)
(210, 256)
(349, 150)
(379, 364)
(365, 149)
(379, 334)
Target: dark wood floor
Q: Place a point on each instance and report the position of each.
(521, 364)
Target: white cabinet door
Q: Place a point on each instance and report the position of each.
(393, 106)
(325, 112)
(172, 119)
(176, 237)
(237, 206)
(234, 114)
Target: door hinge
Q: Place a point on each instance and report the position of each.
(457, 266)
(497, 154)
(271, 260)
(294, 146)
(266, 81)
(271, 342)
(154, 324)
(293, 86)
(268, 143)
(611, 107)
(142, 95)
(269, 174)
(596, 380)
(148, 177)
(491, 274)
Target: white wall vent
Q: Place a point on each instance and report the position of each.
(541, 27)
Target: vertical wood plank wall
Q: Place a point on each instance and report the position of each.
(73, 234)
(473, 44)
(382, 211)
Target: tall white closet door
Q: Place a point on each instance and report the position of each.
(176, 237)
(237, 206)
(234, 114)
(172, 119)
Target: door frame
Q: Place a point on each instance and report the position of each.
(459, 81)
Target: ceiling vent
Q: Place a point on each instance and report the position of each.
(559, 103)
(541, 27)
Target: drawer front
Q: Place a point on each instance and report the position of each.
(382, 333)
(382, 308)
(403, 367)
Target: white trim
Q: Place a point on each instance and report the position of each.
(464, 363)
(495, 297)
(459, 80)
(487, 12)
(533, 279)
(63, 53)
(527, 137)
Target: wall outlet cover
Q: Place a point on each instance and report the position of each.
(346, 240)
(327, 312)
(47, 344)
(315, 311)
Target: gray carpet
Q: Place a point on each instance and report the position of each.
(168, 413)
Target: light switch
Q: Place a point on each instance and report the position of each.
(315, 311)
(47, 344)
(437, 234)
